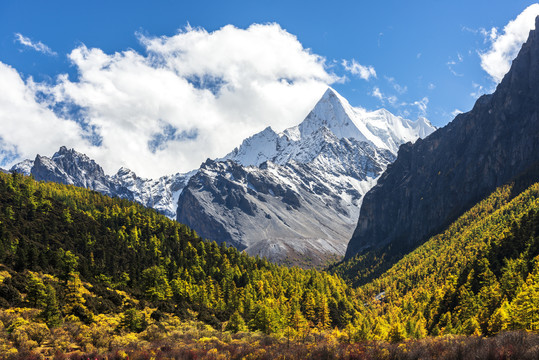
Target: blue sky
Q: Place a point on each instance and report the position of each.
(419, 58)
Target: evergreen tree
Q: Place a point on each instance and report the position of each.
(236, 323)
(396, 332)
(156, 284)
(74, 299)
(36, 292)
(133, 320)
(51, 311)
(500, 320)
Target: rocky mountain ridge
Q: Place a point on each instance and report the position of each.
(70, 167)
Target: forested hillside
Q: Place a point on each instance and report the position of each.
(480, 276)
(82, 273)
(74, 253)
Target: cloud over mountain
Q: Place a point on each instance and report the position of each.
(496, 61)
(187, 97)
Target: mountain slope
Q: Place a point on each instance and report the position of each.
(436, 179)
(294, 196)
(476, 277)
(130, 257)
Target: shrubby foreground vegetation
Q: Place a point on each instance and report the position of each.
(87, 275)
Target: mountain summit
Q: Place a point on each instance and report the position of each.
(332, 112)
(435, 180)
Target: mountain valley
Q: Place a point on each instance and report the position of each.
(292, 197)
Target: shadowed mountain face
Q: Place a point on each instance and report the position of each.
(436, 179)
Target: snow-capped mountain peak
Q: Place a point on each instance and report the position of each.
(335, 112)
(24, 167)
(70, 167)
(379, 128)
(256, 149)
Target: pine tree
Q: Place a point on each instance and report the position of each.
(74, 299)
(500, 320)
(156, 283)
(51, 312)
(310, 306)
(264, 319)
(236, 323)
(36, 292)
(525, 306)
(324, 320)
(396, 332)
(133, 320)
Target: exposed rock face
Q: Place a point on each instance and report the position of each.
(436, 179)
(294, 196)
(70, 167)
(290, 214)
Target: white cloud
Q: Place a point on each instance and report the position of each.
(406, 109)
(377, 93)
(478, 90)
(496, 61)
(487, 34)
(192, 96)
(432, 86)
(37, 46)
(456, 112)
(422, 105)
(355, 68)
(29, 127)
(452, 63)
(391, 99)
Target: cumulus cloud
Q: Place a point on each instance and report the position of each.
(355, 68)
(37, 46)
(190, 96)
(505, 45)
(29, 127)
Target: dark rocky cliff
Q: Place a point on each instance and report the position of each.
(436, 179)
